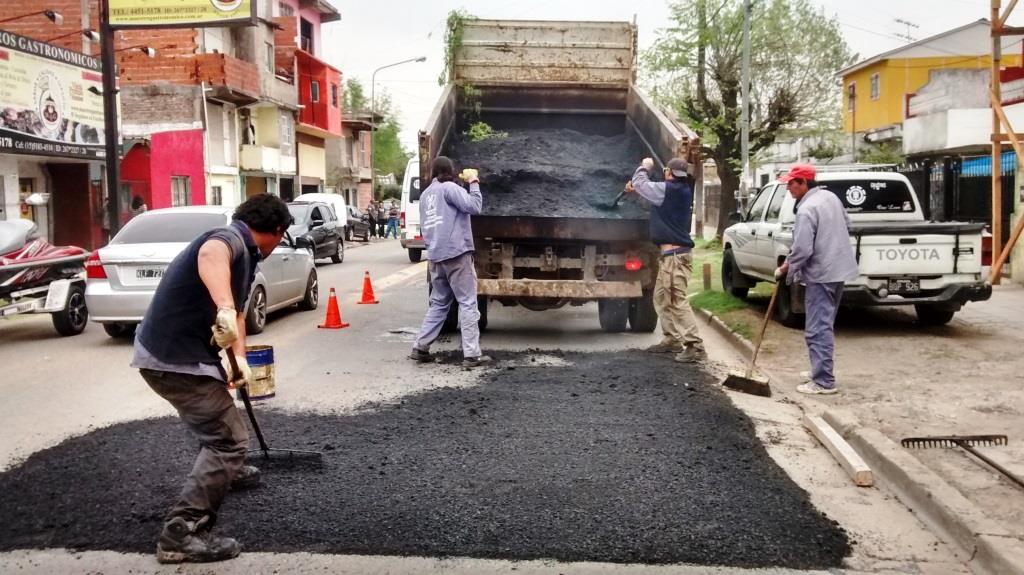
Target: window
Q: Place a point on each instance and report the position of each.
(316, 216)
(286, 10)
(851, 96)
(270, 56)
(775, 207)
(167, 228)
(181, 191)
(872, 195)
(314, 91)
(757, 207)
(216, 196)
(875, 86)
(334, 95)
(306, 35)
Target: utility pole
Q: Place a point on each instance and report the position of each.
(745, 112)
(113, 156)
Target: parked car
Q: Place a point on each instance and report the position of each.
(358, 223)
(901, 258)
(316, 222)
(122, 276)
(337, 203)
(409, 217)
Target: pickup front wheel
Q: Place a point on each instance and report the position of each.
(731, 276)
(932, 315)
(784, 308)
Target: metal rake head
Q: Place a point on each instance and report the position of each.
(954, 441)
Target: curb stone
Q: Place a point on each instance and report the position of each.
(988, 546)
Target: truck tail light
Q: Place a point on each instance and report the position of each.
(986, 250)
(633, 262)
(94, 268)
(401, 219)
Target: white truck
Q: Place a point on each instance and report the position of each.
(902, 259)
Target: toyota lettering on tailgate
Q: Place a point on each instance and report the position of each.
(914, 254)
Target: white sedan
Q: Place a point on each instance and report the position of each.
(122, 277)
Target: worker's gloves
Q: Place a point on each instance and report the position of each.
(225, 327)
(780, 274)
(470, 175)
(629, 189)
(244, 374)
(647, 164)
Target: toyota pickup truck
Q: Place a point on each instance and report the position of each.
(902, 259)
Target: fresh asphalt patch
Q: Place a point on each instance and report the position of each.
(620, 457)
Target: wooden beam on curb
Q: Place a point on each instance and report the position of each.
(841, 450)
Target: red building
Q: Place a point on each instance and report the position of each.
(166, 170)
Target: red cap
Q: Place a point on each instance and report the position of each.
(802, 171)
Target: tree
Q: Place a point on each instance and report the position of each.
(354, 99)
(389, 157)
(695, 67)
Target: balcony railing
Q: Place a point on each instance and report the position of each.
(266, 159)
(238, 79)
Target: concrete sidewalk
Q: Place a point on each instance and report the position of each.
(899, 379)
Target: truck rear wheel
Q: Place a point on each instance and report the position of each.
(932, 315)
(415, 255)
(731, 276)
(642, 316)
(613, 314)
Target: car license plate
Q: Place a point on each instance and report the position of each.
(149, 273)
(904, 285)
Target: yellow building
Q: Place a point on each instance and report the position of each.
(876, 89)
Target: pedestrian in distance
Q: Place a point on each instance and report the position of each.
(822, 259)
(382, 218)
(392, 220)
(671, 214)
(178, 354)
(445, 210)
(371, 218)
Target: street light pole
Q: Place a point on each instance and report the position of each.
(110, 117)
(373, 117)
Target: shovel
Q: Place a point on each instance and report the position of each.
(615, 203)
(747, 382)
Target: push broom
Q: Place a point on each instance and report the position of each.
(747, 382)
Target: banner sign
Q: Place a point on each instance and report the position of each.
(46, 107)
(171, 13)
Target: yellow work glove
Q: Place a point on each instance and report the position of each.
(244, 375)
(225, 327)
(470, 175)
(629, 188)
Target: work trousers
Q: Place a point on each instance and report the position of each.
(678, 323)
(452, 280)
(206, 407)
(821, 302)
(392, 227)
(381, 224)
(373, 228)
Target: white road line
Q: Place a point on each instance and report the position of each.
(397, 278)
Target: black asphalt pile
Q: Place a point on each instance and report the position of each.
(619, 457)
(554, 173)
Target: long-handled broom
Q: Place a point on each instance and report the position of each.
(287, 457)
(747, 382)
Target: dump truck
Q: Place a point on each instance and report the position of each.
(550, 114)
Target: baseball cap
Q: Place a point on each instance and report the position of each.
(801, 171)
(679, 167)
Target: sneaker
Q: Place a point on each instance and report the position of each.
(420, 355)
(691, 355)
(665, 347)
(811, 388)
(477, 361)
(191, 542)
(805, 376)
(248, 477)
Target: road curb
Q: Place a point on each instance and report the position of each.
(988, 546)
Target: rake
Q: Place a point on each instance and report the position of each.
(967, 442)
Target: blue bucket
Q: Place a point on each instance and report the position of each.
(261, 361)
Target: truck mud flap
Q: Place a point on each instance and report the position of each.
(569, 289)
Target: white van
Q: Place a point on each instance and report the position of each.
(409, 219)
(336, 201)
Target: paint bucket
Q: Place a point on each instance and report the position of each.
(261, 362)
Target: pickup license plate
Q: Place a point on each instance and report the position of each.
(904, 285)
(149, 273)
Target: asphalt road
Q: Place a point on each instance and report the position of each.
(56, 387)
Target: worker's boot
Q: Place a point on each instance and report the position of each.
(665, 346)
(248, 477)
(477, 361)
(691, 354)
(185, 541)
(420, 355)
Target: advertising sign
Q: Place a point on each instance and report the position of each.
(171, 13)
(46, 107)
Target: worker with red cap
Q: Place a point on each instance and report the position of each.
(822, 259)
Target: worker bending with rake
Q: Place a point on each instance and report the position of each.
(445, 210)
(670, 229)
(177, 353)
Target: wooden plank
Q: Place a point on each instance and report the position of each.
(841, 450)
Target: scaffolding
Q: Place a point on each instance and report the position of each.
(1002, 131)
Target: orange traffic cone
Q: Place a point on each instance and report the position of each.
(333, 320)
(368, 296)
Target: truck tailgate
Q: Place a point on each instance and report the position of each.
(917, 249)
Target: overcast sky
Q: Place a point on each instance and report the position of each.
(379, 32)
